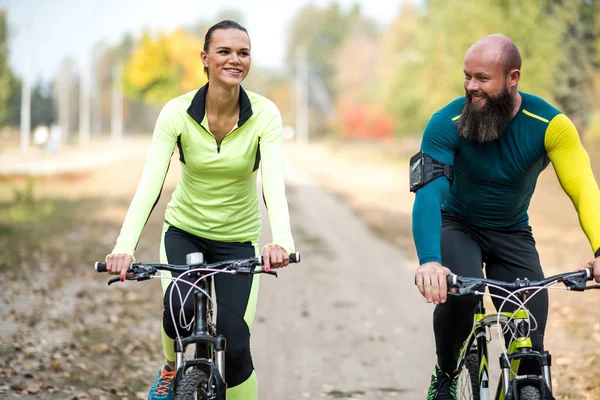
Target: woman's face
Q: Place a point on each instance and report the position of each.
(228, 56)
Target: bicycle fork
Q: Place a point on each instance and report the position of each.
(522, 344)
(208, 344)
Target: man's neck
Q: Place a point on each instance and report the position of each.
(518, 100)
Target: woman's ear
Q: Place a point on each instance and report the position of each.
(204, 58)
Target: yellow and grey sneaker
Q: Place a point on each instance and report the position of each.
(443, 385)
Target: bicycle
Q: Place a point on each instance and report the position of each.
(203, 376)
(473, 359)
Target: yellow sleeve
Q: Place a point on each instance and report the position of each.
(572, 165)
(148, 191)
(273, 183)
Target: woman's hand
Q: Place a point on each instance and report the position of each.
(274, 256)
(118, 264)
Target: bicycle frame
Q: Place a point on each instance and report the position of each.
(209, 353)
(519, 348)
(517, 322)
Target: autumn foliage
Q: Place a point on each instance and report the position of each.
(365, 121)
(164, 66)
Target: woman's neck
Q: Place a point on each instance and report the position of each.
(222, 100)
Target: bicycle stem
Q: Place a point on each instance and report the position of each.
(200, 304)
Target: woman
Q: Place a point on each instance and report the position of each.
(222, 133)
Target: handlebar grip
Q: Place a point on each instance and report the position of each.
(589, 274)
(294, 258)
(100, 267)
(451, 280)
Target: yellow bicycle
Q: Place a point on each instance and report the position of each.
(474, 382)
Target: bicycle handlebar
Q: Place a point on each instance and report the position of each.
(572, 280)
(245, 266)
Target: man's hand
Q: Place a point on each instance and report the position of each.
(595, 263)
(430, 278)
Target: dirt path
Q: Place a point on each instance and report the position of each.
(346, 323)
(373, 179)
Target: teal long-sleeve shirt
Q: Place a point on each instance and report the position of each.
(494, 182)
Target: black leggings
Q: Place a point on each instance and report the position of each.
(232, 292)
(508, 255)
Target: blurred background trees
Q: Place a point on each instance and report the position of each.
(363, 80)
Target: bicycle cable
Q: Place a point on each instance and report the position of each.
(521, 305)
(193, 285)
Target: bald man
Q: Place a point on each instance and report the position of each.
(474, 177)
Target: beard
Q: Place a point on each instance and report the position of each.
(490, 121)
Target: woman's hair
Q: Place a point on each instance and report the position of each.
(225, 24)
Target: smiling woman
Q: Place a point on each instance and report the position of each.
(216, 46)
(223, 134)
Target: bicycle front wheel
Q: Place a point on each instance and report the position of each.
(468, 380)
(530, 393)
(192, 386)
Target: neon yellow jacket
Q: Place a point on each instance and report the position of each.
(216, 197)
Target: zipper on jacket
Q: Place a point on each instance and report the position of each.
(219, 144)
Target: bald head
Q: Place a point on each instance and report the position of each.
(497, 48)
(492, 73)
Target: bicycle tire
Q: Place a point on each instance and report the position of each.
(530, 393)
(468, 379)
(192, 383)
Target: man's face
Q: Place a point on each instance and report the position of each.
(484, 76)
(489, 104)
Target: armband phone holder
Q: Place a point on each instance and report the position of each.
(424, 169)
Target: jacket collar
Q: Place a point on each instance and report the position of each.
(197, 108)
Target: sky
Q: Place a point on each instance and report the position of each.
(61, 28)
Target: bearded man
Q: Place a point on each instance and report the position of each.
(474, 177)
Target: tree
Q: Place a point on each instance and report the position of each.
(353, 68)
(322, 31)
(13, 109)
(42, 106)
(164, 66)
(6, 78)
(431, 75)
(575, 90)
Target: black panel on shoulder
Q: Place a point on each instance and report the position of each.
(257, 159)
(180, 147)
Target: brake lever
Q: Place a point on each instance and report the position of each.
(466, 289)
(461, 292)
(247, 270)
(262, 271)
(113, 280)
(576, 283)
(141, 277)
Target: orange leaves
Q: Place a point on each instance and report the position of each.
(365, 121)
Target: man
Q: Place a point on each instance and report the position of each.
(474, 177)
